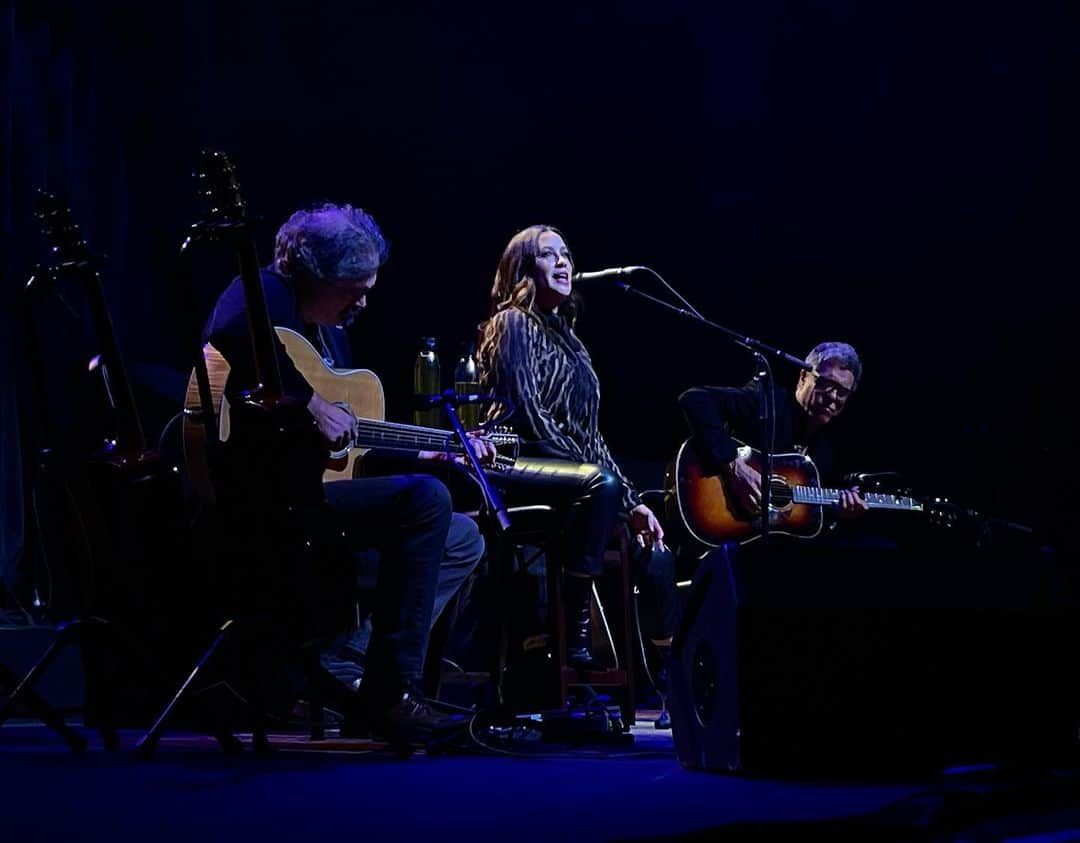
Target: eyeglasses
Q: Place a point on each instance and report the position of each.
(828, 386)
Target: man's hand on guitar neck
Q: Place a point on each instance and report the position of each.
(483, 448)
(334, 422)
(851, 503)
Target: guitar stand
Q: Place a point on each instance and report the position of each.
(230, 744)
(87, 634)
(23, 690)
(90, 634)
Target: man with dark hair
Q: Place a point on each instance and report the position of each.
(326, 261)
(719, 415)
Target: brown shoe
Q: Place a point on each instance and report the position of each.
(411, 720)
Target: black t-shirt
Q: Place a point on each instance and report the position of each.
(719, 415)
(227, 330)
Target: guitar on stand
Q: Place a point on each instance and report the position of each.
(277, 536)
(110, 517)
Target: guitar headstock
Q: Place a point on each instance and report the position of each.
(506, 442)
(58, 226)
(943, 513)
(219, 189)
(227, 221)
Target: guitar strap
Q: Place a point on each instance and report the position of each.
(327, 352)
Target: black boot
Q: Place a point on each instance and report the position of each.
(578, 592)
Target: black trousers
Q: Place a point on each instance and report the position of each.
(589, 498)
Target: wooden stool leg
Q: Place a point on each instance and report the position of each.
(557, 623)
(629, 706)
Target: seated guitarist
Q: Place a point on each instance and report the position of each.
(326, 260)
(717, 414)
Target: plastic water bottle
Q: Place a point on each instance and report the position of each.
(427, 380)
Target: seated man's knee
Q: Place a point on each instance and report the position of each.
(465, 539)
(428, 495)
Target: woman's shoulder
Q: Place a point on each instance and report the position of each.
(513, 320)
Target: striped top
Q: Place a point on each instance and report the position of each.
(539, 364)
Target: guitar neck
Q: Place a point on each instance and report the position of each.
(267, 369)
(874, 500)
(129, 429)
(228, 217)
(373, 433)
(67, 243)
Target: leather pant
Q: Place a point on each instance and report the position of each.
(588, 497)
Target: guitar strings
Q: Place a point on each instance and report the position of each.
(393, 431)
(433, 438)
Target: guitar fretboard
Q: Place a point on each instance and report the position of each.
(369, 432)
(874, 500)
(372, 433)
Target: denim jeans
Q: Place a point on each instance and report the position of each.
(463, 552)
(407, 519)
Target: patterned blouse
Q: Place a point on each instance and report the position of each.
(539, 364)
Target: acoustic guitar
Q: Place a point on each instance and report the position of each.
(357, 390)
(126, 448)
(712, 516)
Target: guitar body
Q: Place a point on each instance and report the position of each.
(712, 517)
(359, 389)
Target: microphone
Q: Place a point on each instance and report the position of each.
(874, 480)
(605, 274)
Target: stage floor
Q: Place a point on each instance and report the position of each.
(593, 793)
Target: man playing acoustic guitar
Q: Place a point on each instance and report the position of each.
(326, 260)
(719, 415)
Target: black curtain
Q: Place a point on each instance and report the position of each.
(902, 176)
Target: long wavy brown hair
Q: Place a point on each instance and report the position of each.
(515, 285)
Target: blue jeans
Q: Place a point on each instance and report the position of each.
(424, 552)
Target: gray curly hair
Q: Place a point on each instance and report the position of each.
(330, 243)
(839, 354)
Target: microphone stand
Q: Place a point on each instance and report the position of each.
(448, 399)
(762, 353)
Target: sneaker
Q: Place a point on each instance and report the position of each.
(412, 717)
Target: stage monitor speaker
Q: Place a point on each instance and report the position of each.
(809, 659)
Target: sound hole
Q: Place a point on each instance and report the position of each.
(781, 493)
(703, 682)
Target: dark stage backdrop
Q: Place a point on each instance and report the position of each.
(899, 175)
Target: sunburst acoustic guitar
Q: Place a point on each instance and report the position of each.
(712, 517)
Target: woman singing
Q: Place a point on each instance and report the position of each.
(530, 354)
